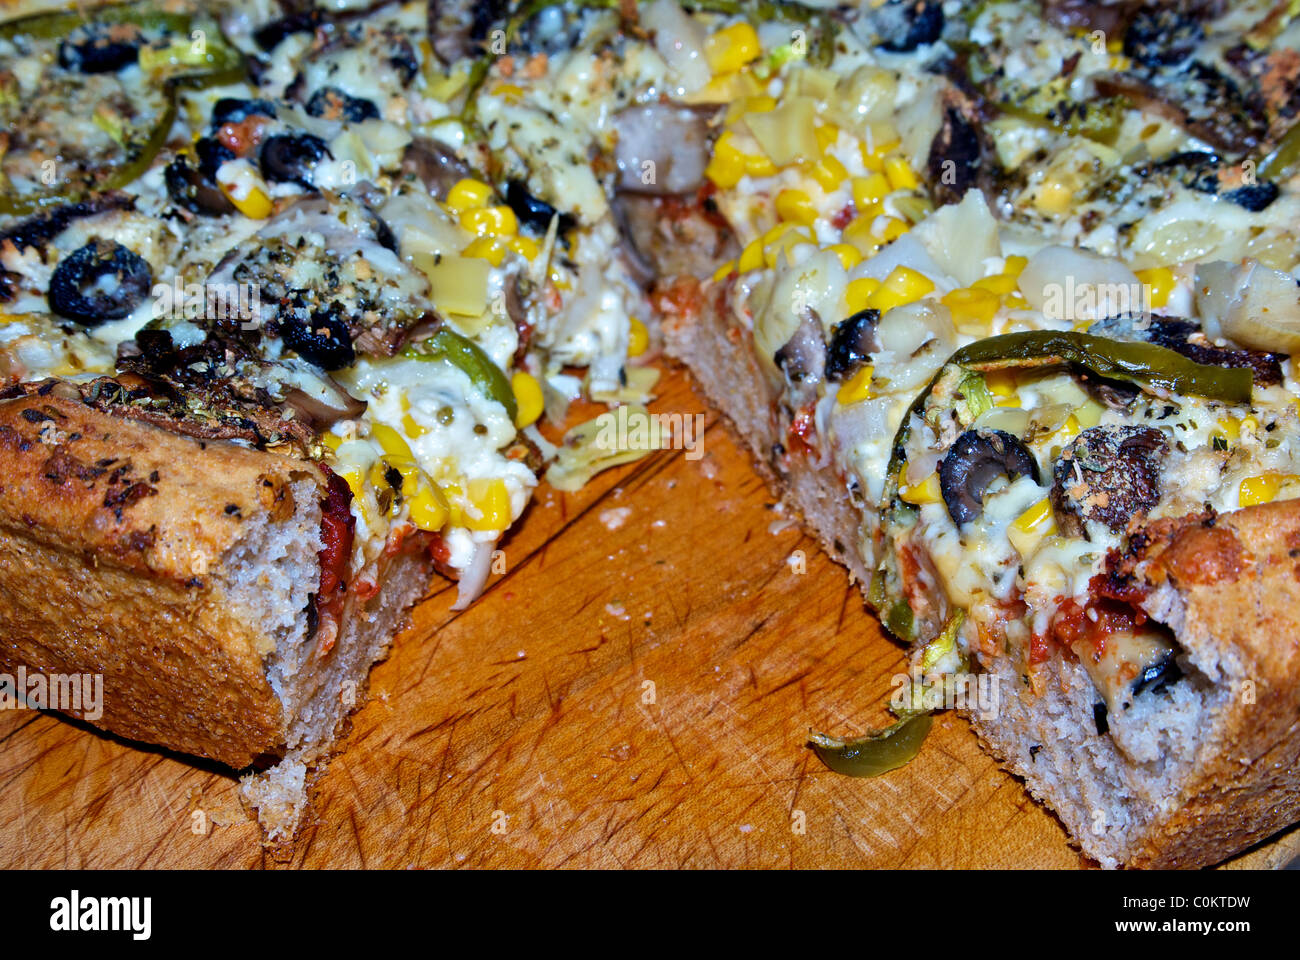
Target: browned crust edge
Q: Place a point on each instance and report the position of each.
(113, 534)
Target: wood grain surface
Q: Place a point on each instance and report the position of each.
(635, 690)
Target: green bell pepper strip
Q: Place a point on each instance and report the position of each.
(1284, 160)
(469, 357)
(876, 753)
(1142, 363)
(221, 63)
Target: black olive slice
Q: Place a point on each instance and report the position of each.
(292, 158)
(972, 464)
(102, 281)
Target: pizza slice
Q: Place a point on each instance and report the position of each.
(1011, 329)
(274, 346)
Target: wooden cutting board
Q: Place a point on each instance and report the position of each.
(635, 690)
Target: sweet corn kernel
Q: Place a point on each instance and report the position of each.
(1033, 518)
(509, 92)
(1160, 284)
(869, 191)
(352, 477)
(827, 135)
(731, 48)
(529, 402)
(429, 509)
(751, 258)
(498, 221)
(254, 204)
(1259, 489)
(795, 206)
(999, 284)
(858, 387)
(927, 491)
(1053, 197)
(758, 165)
(784, 244)
(638, 337)
(971, 307)
(900, 174)
(467, 194)
(873, 158)
(849, 255)
(1000, 383)
(858, 233)
(1231, 427)
(390, 441)
(891, 229)
(1063, 435)
(858, 293)
(455, 495)
(412, 428)
(1029, 529)
(727, 165)
(829, 173)
(486, 248)
(526, 247)
(903, 286)
(491, 502)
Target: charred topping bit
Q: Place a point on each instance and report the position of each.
(211, 154)
(1099, 719)
(534, 213)
(972, 464)
(457, 28)
(904, 25)
(101, 47)
(324, 339)
(1162, 37)
(954, 160)
(852, 343)
(305, 21)
(292, 158)
(99, 282)
(234, 110)
(331, 103)
(1158, 675)
(1108, 475)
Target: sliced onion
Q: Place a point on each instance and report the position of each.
(1250, 304)
(679, 40)
(474, 577)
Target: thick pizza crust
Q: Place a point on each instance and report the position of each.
(114, 535)
(1231, 592)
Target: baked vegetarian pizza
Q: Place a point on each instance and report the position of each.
(1001, 295)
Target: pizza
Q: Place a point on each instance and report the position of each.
(1001, 296)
